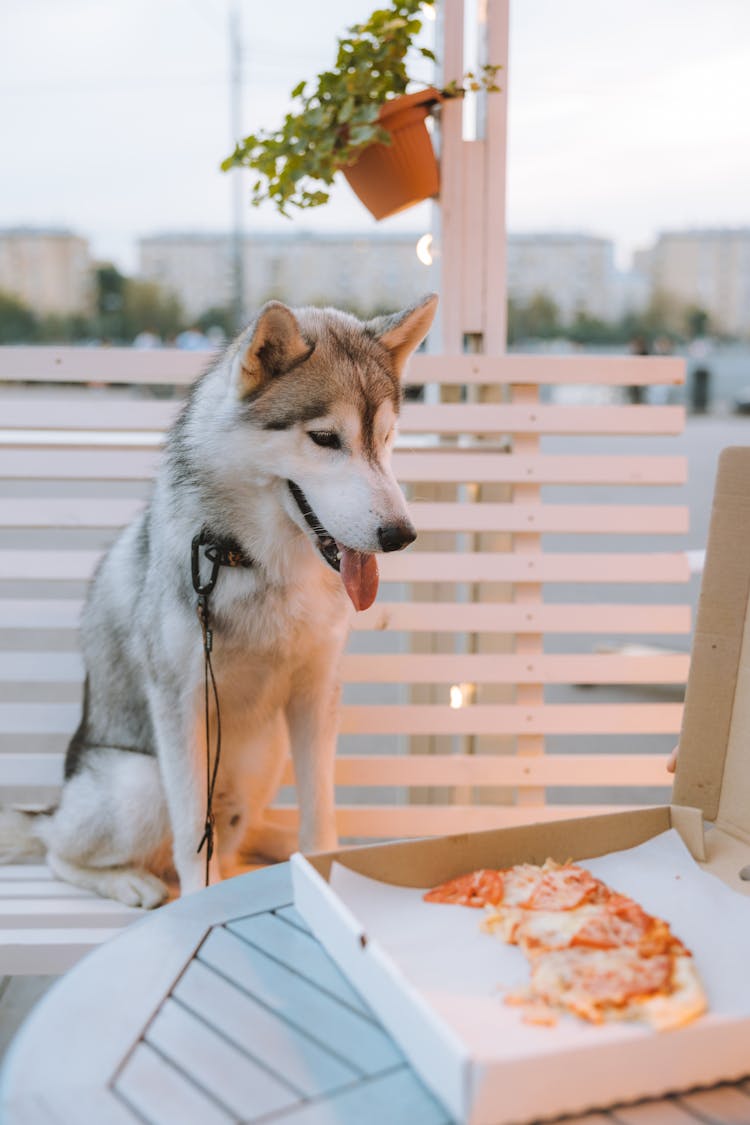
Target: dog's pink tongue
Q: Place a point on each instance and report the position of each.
(360, 576)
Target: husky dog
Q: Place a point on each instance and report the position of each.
(279, 468)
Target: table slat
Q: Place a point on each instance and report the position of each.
(163, 1095)
(285, 943)
(352, 1036)
(725, 1105)
(307, 1067)
(225, 1072)
(397, 1098)
(292, 915)
(664, 1112)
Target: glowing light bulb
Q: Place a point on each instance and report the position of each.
(424, 249)
(457, 696)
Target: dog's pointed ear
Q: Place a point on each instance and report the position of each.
(275, 347)
(404, 331)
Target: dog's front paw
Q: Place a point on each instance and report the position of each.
(136, 888)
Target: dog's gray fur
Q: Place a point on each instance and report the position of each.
(135, 769)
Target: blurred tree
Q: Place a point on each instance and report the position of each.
(217, 317)
(587, 329)
(146, 307)
(538, 319)
(109, 293)
(697, 322)
(18, 325)
(57, 329)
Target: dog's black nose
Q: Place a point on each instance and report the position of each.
(396, 536)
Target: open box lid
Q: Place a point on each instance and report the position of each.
(713, 770)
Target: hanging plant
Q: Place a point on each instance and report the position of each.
(339, 116)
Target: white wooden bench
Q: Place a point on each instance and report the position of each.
(444, 719)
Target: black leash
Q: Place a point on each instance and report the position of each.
(228, 552)
(219, 552)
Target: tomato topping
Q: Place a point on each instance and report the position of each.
(479, 888)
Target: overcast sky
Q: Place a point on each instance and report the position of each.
(626, 116)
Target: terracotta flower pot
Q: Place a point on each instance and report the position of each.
(390, 178)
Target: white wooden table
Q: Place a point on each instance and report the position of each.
(222, 1008)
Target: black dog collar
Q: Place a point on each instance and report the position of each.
(220, 551)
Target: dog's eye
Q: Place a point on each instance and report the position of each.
(324, 438)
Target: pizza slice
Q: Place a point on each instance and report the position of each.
(593, 952)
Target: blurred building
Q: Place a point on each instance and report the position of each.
(709, 269)
(48, 270)
(361, 272)
(577, 271)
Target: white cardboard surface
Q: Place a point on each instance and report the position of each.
(519, 1072)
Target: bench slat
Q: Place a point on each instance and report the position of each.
(48, 951)
(408, 821)
(567, 718)
(563, 668)
(445, 466)
(40, 613)
(170, 365)
(419, 668)
(449, 617)
(534, 370)
(79, 413)
(500, 719)
(419, 566)
(43, 512)
(455, 465)
(460, 418)
(52, 913)
(82, 411)
(590, 519)
(391, 769)
(51, 888)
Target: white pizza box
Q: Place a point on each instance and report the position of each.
(537, 1073)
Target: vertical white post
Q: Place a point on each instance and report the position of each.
(239, 313)
(471, 240)
(470, 229)
(495, 117)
